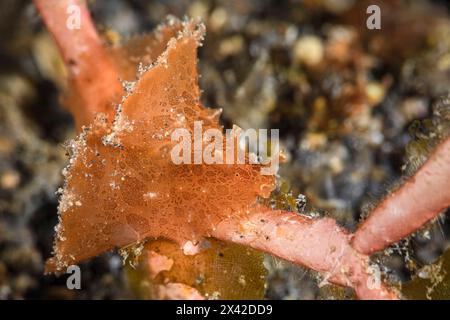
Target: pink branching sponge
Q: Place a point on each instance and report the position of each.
(122, 187)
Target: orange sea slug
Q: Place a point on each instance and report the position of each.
(121, 185)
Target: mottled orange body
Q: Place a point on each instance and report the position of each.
(122, 185)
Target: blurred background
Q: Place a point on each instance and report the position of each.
(354, 108)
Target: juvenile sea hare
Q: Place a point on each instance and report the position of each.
(122, 185)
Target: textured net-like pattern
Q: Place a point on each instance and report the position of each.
(122, 185)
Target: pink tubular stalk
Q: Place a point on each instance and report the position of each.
(92, 74)
(418, 200)
(318, 244)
